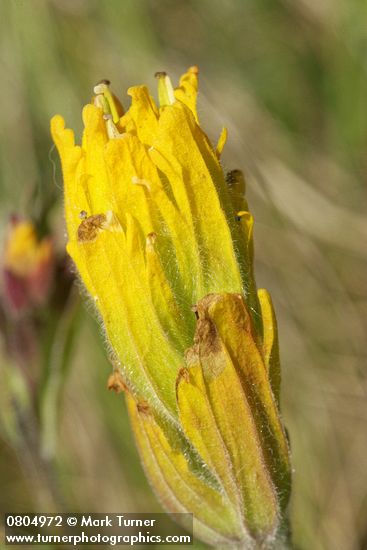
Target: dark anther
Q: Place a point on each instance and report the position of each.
(104, 81)
(160, 74)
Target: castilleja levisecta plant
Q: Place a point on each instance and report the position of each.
(162, 240)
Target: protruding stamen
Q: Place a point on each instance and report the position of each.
(101, 102)
(104, 81)
(166, 94)
(109, 107)
(112, 131)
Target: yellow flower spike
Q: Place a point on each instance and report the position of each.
(162, 240)
(103, 89)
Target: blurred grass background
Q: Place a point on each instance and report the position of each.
(288, 78)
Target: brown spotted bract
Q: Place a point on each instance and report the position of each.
(88, 229)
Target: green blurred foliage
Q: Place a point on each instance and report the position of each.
(289, 80)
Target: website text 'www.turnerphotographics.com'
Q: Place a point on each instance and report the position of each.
(91, 529)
